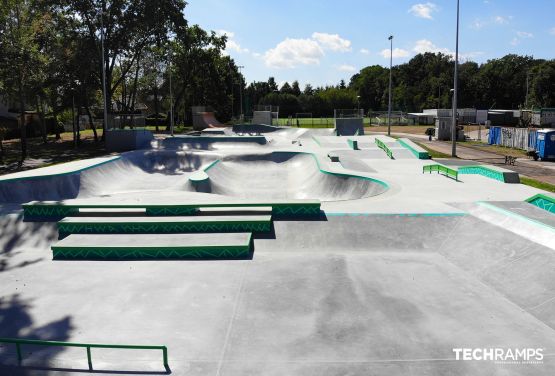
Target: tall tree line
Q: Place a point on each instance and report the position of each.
(52, 59)
(423, 82)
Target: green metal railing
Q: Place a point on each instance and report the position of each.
(384, 147)
(449, 172)
(19, 342)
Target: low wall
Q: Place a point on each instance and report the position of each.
(349, 126)
(128, 139)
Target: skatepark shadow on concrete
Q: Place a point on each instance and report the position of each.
(16, 321)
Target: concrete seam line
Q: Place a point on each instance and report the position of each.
(232, 319)
(449, 235)
(539, 305)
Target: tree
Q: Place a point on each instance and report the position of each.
(129, 28)
(21, 64)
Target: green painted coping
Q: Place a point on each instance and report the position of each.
(201, 175)
(61, 173)
(543, 202)
(413, 148)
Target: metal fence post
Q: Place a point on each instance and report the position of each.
(19, 357)
(89, 358)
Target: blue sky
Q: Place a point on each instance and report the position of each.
(322, 42)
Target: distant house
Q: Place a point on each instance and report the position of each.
(544, 117)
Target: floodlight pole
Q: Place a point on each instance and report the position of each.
(390, 86)
(241, 91)
(171, 94)
(455, 92)
(103, 74)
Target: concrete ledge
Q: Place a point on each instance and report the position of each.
(54, 210)
(141, 246)
(353, 144)
(146, 225)
(492, 172)
(418, 152)
(543, 202)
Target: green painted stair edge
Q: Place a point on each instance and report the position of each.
(413, 148)
(543, 201)
(384, 147)
(65, 228)
(150, 253)
(502, 176)
(441, 169)
(54, 212)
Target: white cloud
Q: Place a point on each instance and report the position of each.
(552, 31)
(500, 20)
(365, 51)
(423, 10)
(346, 68)
(231, 44)
(332, 42)
(397, 53)
(293, 52)
(524, 34)
(520, 35)
(425, 45)
(479, 23)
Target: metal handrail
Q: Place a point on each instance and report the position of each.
(384, 147)
(18, 342)
(449, 172)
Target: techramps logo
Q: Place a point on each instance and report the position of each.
(498, 355)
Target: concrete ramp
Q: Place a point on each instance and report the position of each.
(287, 175)
(202, 120)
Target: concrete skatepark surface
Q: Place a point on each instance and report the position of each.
(378, 284)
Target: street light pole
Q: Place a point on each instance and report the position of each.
(241, 92)
(171, 94)
(390, 86)
(103, 74)
(455, 92)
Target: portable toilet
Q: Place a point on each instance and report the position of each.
(545, 144)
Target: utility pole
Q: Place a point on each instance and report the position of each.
(171, 94)
(455, 92)
(242, 118)
(103, 74)
(390, 86)
(527, 88)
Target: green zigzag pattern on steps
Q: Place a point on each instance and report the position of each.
(139, 253)
(480, 170)
(48, 211)
(162, 227)
(34, 211)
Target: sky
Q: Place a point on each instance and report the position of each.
(322, 42)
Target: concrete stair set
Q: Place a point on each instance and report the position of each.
(219, 231)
